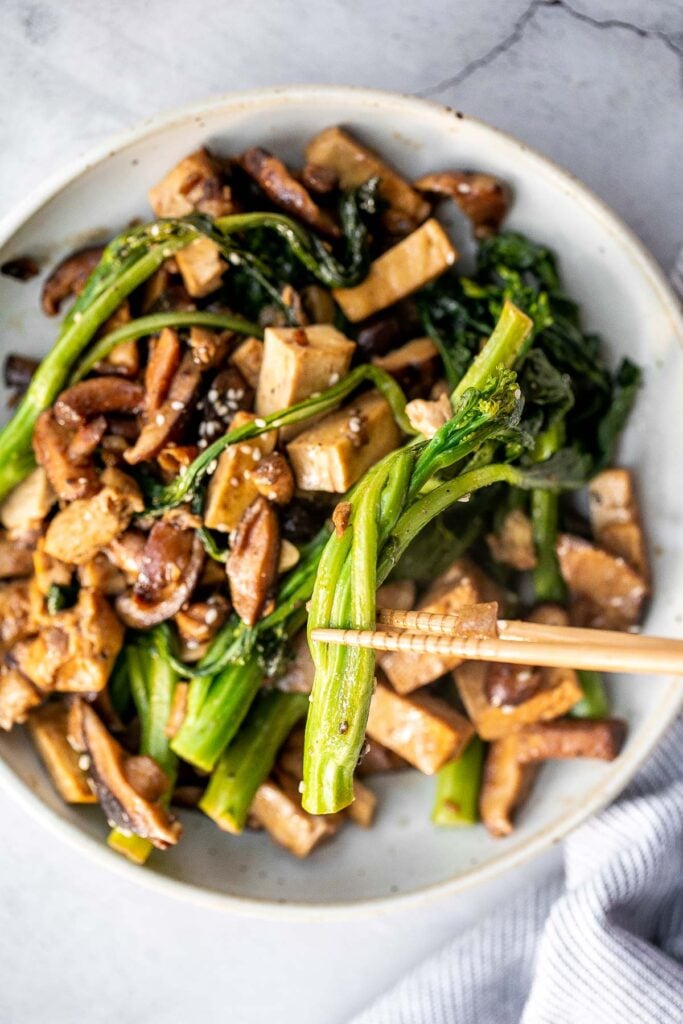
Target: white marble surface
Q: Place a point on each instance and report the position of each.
(598, 86)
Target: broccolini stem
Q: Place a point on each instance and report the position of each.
(84, 319)
(209, 727)
(505, 345)
(548, 582)
(594, 703)
(248, 760)
(152, 682)
(456, 800)
(155, 322)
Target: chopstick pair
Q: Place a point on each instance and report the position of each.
(518, 643)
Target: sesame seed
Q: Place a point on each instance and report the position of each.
(235, 259)
(234, 481)
(84, 762)
(334, 377)
(212, 395)
(191, 644)
(256, 454)
(154, 230)
(202, 443)
(160, 419)
(211, 468)
(166, 253)
(211, 616)
(245, 449)
(301, 786)
(177, 406)
(259, 422)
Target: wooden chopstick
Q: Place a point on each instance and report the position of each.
(606, 653)
(515, 629)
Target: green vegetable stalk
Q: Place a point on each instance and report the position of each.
(456, 800)
(388, 509)
(152, 683)
(248, 760)
(594, 703)
(548, 583)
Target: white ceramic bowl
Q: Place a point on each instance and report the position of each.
(624, 297)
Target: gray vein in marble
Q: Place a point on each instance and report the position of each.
(673, 41)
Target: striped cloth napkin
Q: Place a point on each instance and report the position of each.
(601, 945)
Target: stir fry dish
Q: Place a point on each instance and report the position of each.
(282, 405)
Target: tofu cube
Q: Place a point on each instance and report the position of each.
(201, 267)
(334, 453)
(232, 490)
(297, 362)
(423, 729)
(416, 260)
(615, 518)
(460, 586)
(194, 184)
(248, 358)
(353, 164)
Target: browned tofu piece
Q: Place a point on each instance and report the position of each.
(513, 545)
(16, 556)
(352, 164)
(558, 692)
(248, 358)
(336, 451)
(297, 362)
(606, 593)
(286, 822)
(401, 270)
(28, 504)
(414, 365)
(377, 759)
(82, 528)
(48, 726)
(505, 786)
(18, 696)
(397, 596)
(201, 267)
(461, 586)
(75, 652)
(569, 738)
(15, 613)
(615, 518)
(232, 490)
(194, 184)
(362, 810)
(424, 730)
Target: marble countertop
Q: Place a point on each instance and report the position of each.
(595, 84)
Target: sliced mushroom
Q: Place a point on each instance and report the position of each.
(513, 544)
(252, 567)
(85, 441)
(510, 685)
(124, 358)
(69, 480)
(505, 786)
(125, 552)
(17, 371)
(482, 198)
(415, 366)
(69, 277)
(196, 183)
(48, 726)
(198, 623)
(164, 358)
(273, 478)
(319, 179)
(83, 527)
(285, 191)
(16, 618)
(124, 806)
(170, 567)
(209, 348)
(157, 431)
(511, 762)
(97, 395)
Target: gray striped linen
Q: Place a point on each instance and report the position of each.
(604, 945)
(601, 945)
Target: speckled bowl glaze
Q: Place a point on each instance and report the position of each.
(624, 296)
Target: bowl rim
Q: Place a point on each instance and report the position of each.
(641, 744)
